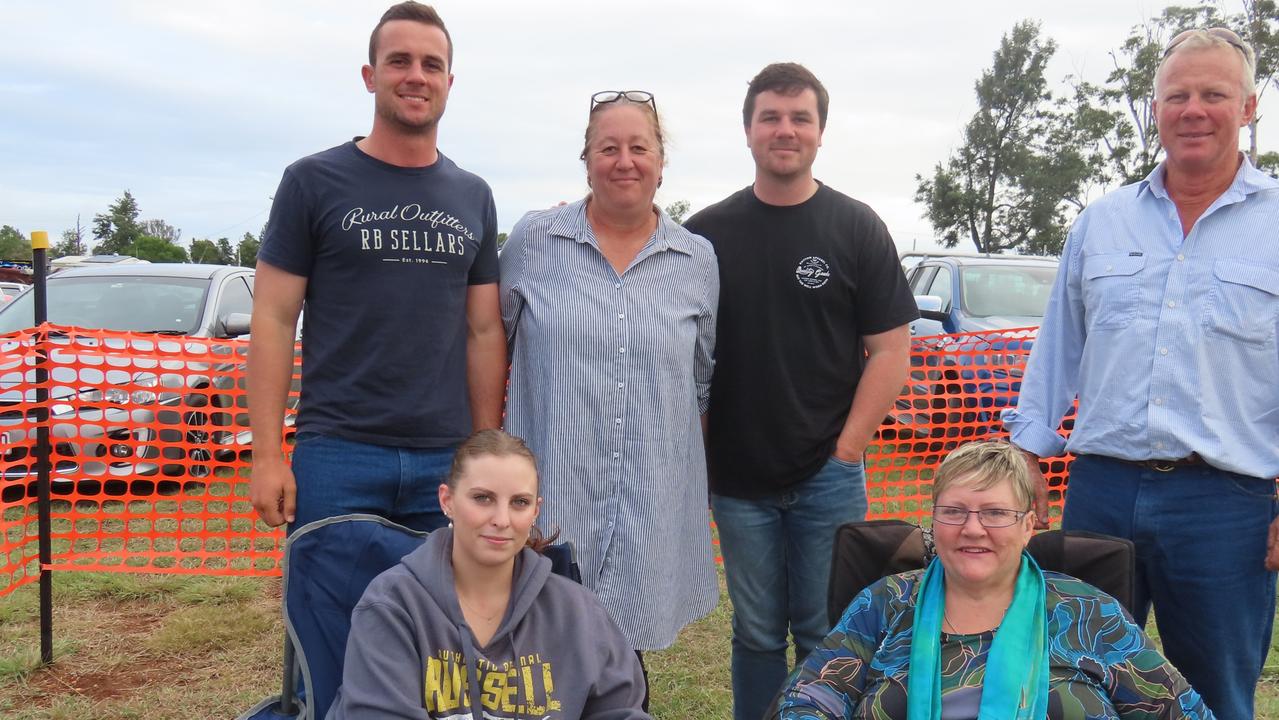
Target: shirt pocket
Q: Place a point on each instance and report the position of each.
(1112, 289)
(1243, 305)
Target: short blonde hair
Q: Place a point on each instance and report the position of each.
(1209, 39)
(983, 465)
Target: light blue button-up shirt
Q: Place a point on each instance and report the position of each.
(610, 374)
(1169, 343)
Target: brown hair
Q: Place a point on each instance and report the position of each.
(497, 443)
(786, 79)
(417, 12)
(649, 111)
(983, 465)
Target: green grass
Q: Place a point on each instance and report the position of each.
(141, 646)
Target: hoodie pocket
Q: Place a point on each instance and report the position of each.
(1112, 289)
(1244, 303)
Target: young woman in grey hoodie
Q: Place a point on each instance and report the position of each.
(473, 625)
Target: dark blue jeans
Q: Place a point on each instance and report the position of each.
(1200, 535)
(337, 476)
(777, 554)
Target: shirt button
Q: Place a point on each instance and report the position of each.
(1159, 401)
(618, 286)
(1181, 258)
(1109, 268)
(1172, 303)
(1159, 446)
(620, 385)
(1163, 351)
(621, 350)
(618, 421)
(616, 455)
(621, 316)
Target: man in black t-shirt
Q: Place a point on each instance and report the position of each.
(393, 249)
(812, 349)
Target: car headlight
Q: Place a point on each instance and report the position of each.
(121, 396)
(144, 397)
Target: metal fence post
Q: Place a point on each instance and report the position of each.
(39, 264)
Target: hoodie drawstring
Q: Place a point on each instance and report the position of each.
(471, 661)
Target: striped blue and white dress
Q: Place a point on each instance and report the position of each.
(609, 375)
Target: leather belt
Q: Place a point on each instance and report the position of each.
(1167, 465)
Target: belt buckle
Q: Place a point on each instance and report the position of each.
(1162, 466)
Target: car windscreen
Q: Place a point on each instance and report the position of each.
(1016, 290)
(116, 302)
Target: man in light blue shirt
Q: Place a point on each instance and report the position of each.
(1163, 322)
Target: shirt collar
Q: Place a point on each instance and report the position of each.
(571, 223)
(1248, 180)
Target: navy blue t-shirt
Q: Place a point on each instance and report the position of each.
(388, 253)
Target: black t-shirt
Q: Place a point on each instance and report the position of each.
(799, 287)
(388, 253)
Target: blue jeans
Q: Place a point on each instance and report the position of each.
(336, 476)
(1200, 535)
(777, 556)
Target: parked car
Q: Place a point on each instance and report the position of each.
(979, 292)
(149, 416)
(77, 261)
(966, 367)
(10, 290)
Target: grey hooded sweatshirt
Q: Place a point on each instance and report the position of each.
(555, 656)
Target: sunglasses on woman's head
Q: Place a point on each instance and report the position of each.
(605, 97)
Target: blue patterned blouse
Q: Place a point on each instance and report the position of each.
(1101, 665)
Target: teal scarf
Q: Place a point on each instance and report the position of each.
(1016, 684)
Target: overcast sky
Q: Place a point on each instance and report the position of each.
(198, 107)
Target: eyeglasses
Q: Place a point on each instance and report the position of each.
(605, 97)
(1218, 32)
(989, 518)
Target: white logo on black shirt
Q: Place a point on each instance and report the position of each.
(813, 272)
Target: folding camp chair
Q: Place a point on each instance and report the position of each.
(327, 566)
(867, 551)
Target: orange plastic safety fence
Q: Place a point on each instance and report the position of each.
(151, 452)
(957, 387)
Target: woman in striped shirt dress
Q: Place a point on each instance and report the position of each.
(609, 308)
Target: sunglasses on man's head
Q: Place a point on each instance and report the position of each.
(1218, 32)
(605, 97)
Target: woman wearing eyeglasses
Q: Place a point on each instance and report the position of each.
(609, 308)
(982, 632)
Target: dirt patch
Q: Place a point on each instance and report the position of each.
(107, 664)
(117, 659)
(95, 686)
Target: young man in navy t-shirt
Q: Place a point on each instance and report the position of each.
(393, 249)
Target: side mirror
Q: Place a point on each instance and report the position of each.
(930, 308)
(236, 324)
